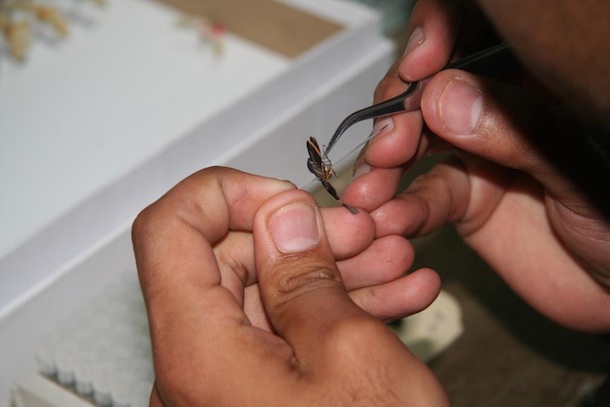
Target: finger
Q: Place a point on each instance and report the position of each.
(399, 298)
(254, 309)
(433, 27)
(397, 136)
(440, 30)
(512, 128)
(397, 141)
(386, 259)
(378, 170)
(371, 189)
(373, 183)
(440, 196)
(370, 262)
(181, 282)
(155, 398)
(299, 282)
(348, 236)
(374, 281)
(200, 211)
(236, 263)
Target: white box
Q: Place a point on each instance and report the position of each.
(66, 217)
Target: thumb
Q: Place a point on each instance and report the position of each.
(347, 352)
(485, 118)
(508, 126)
(300, 284)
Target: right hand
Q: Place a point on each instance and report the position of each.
(518, 187)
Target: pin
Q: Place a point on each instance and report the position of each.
(323, 170)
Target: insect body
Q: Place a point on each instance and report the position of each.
(322, 168)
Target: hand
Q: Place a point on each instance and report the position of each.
(521, 187)
(247, 306)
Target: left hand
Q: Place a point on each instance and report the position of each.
(201, 252)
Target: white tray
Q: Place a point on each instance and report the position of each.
(92, 158)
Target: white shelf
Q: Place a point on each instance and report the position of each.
(78, 115)
(88, 125)
(96, 127)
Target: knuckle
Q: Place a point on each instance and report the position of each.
(389, 86)
(429, 181)
(141, 226)
(149, 229)
(297, 275)
(352, 336)
(175, 385)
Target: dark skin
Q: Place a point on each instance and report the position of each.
(256, 296)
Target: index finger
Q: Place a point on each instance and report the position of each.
(179, 275)
(433, 28)
(175, 232)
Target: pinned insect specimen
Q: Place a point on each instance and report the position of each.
(17, 17)
(322, 168)
(209, 31)
(320, 165)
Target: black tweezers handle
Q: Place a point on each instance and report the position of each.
(492, 62)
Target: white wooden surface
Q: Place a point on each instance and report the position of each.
(94, 128)
(83, 117)
(82, 112)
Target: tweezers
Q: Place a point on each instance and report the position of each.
(492, 62)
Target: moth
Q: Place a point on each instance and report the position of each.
(322, 168)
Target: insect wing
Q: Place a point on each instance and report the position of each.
(315, 155)
(316, 166)
(331, 190)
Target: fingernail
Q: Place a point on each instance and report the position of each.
(416, 38)
(361, 170)
(294, 228)
(460, 106)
